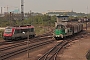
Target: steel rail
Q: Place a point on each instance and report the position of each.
(23, 43)
(44, 57)
(12, 53)
(37, 37)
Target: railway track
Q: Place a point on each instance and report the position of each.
(9, 51)
(6, 55)
(10, 42)
(52, 53)
(13, 42)
(35, 40)
(12, 53)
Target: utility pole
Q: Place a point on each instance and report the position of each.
(30, 13)
(10, 20)
(87, 18)
(1, 10)
(30, 17)
(7, 8)
(22, 10)
(28, 44)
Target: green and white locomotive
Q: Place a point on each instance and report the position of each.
(63, 29)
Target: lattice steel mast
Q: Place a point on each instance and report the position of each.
(22, 9)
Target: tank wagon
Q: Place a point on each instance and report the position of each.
(18, 32)
(63, 27)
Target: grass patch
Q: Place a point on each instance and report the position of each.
(1, 31)
(40, 30)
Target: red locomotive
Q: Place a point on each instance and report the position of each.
(18, 32)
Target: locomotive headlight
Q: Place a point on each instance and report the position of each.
(61, 35)
(57, 35)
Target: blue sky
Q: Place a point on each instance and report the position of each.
(45, 5)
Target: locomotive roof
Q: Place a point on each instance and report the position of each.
(20, 27)
(62, 16)
(69, 24)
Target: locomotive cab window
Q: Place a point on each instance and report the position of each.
(60, 27)
(17, 31)
(8, 30)
(31, 30)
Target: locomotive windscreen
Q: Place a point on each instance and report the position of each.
(60, 26)
(8, 30)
